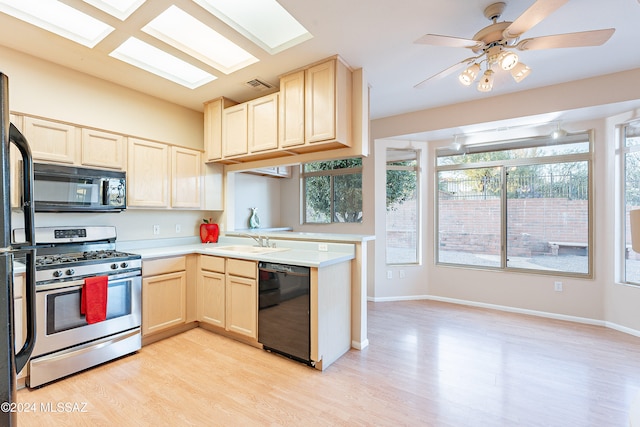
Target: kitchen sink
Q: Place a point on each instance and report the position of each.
(247, 249)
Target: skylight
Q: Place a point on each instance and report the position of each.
(182, 31)
(120, 9)
(264, 22)
(159, 62)
(58, 18)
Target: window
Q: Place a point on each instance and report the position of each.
(403, 213)
(332, 191)
(631, 174)
(521, 204)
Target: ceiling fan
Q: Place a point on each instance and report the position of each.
(494, 45)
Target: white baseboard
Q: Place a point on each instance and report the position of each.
(359, 345)
(623, 329)
(557, 316)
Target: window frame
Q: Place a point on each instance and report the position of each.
(331, 173)
(418, 171)
(504, 164)
(624, 151)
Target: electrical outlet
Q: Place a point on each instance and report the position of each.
(323, 247)
(156, 229)
(557, 286)
(178, 228)
(389, 274)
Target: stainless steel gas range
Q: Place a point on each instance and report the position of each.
(66, 342)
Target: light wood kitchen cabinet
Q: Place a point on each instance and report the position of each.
(250, 127)
(262, 126)
(234, 131)
(157, 171)
(51, 141)
(164, 285)
(103, 149)
(325, 111)
(211, 291)
(148, 174)
(242, 297)
(213, 127)
(234, 308)
(186, 178)
(291, 117)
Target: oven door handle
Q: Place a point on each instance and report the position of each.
(74, 285)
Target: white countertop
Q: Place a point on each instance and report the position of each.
(293, 252)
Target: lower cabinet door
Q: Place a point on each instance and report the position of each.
(242, 306)
(212, 299)
(163, 302)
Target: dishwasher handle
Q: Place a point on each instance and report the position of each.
(293, 270)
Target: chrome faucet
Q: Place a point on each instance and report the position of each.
(263, 242)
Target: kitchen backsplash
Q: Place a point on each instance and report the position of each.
(132, 224)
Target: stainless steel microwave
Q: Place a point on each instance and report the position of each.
(72, 189)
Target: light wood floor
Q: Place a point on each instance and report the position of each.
(428, 363)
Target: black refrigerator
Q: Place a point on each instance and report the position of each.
(12, 362)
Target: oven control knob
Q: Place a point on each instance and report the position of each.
(70, 272)
(114, 266)
(124, 265)
(57, 273)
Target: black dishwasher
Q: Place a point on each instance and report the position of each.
(284, 307)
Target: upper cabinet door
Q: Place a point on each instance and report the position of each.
(50, 141)
(291, 117)
(234, 131)
(103, 149)
(263, 123)
(320, 102)
(148, 174)
(213, 127)
(185, 178)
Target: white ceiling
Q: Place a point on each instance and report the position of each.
(377, 35)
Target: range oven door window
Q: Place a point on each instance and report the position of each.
(63, 308)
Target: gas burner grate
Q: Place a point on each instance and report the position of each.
(102, 254)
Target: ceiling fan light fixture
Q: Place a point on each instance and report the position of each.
(520, 71)
(486, 84)
(508, 60)
(469, 75)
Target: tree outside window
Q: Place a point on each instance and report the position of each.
(332, 191)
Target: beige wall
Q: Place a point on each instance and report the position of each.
(262, 192)
(602, 298)
(44, 89)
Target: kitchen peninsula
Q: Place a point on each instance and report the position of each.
(184, 281)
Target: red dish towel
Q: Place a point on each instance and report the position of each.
(93, 299)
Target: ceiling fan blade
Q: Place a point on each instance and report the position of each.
(531, 17)
(447, 71)
(581, 39)
(438, 40)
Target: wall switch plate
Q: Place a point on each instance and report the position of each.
(557, 286)
(389, 274)
(178, 228)
(401, 274)
(156, 229)
(323, 247)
